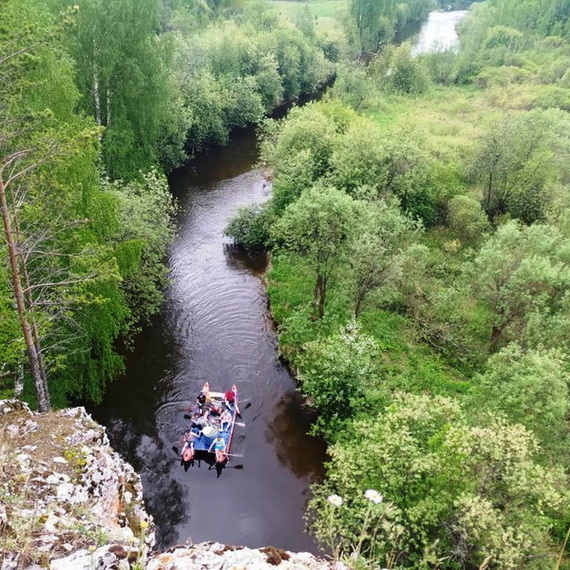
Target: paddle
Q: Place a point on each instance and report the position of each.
(238, 414)
(240, 466)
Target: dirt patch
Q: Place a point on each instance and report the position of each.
(275, 555)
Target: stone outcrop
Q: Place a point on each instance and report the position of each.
(216, 556)
(64, 492)
(69, 502)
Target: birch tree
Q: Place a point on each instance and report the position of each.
(48, 261)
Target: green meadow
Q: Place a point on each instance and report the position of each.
(324, 11)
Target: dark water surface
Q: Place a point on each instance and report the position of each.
(215, 326)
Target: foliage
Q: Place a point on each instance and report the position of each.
(311, 130)
(376, 23)
(123, 76)
(371, 162)
(475, 307)
(90, 257)
(11, 343)
(528, 387)
(454, 494)
(325, 141)
(352, 86)
(377, 253)
(516, 163)
(466, 218)
(337, 370)
(243, 69)
(144, 232)
(318, 226)
(395, 69)
(250, 227)
(408, 75)
(522, 275)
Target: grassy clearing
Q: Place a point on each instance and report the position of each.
(450, 119)
(323, 11)
(407, 364)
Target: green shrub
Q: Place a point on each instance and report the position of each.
(467, 218)
(250, 227)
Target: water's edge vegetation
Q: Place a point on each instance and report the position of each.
(418, 235)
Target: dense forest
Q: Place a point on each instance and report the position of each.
(418, 229)
(98, 101)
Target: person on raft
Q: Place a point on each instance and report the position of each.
(219, 446)
(202, 399)
(229, 399)
(188, 450)
(225, 420)
(215, 410)
(201, 421)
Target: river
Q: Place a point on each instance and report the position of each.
(438, 32)
(215, 326)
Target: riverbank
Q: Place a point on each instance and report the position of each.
(413, 250)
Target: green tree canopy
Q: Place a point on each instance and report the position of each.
(516, 163)
(318, 226)
(337, 371)
(528, 387)
(522, 274)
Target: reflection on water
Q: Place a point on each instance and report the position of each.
(287, 431)
(239, 259)
(166, 502)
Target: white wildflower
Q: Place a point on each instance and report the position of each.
(374, 496)
(335, 500)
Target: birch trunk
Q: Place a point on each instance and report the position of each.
(96, 95)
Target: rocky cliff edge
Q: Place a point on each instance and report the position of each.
(69, 502)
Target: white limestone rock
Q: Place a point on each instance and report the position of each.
(51, 523)
(216, 556)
